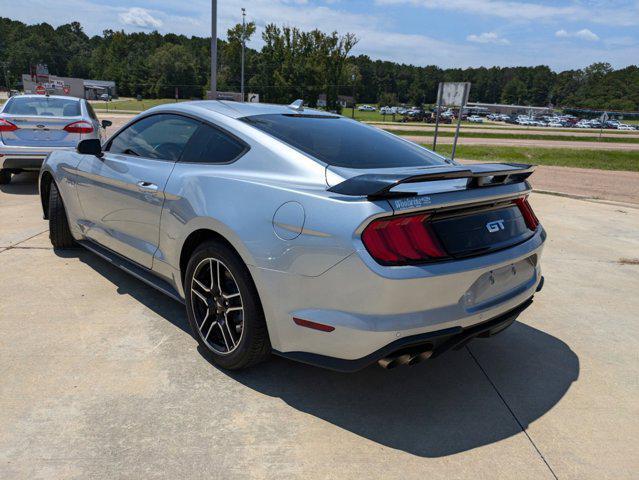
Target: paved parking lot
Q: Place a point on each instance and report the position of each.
(101, 379)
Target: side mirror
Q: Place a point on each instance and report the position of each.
(91, 146)
(106, 123)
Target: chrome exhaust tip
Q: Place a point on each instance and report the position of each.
(410, 357)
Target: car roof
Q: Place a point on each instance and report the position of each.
(31, 95)
(239, 109)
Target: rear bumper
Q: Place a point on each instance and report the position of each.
(25, 158)
(438, 342)
(371, 307)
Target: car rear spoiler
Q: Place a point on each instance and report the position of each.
(379, 185)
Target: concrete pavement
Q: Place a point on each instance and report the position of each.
(101, 379)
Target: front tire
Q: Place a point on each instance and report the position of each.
(224, 309)
(59, 232)
(5, 177)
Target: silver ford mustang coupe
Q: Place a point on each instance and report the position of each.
(302, 233)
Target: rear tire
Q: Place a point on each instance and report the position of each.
(5, 177)
(59, 232)
(234, 339)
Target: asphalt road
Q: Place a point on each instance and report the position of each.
(101, 379)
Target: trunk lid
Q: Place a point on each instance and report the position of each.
(40, 131)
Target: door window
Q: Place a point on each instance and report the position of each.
(161, 136)
(211, 145)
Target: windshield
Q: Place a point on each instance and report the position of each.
(342, 142)
(43, 107)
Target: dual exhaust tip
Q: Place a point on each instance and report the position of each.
(411, 356)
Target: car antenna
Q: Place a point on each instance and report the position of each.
(297, 105)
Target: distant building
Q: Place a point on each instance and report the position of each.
(510, 109)
(73, 87)
(344, 101)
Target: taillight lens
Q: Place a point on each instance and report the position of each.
(79, 127)
(532, 222)
(6, 126)
(402, 240)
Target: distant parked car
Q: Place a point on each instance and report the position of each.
(33, 126)
(623, 126)
(475, 119)
(366, 108)
(105, 97)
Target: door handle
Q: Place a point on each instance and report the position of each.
(147, 187)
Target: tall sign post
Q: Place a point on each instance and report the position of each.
(213, 49)
(451, 94)
(439, 107)
(243, 47)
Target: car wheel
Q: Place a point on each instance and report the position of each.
(5, 177)
(59, 232)
(224, 309)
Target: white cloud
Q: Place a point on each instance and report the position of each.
(622, 13)
(140, 17)
(488, 37)
(583, 34)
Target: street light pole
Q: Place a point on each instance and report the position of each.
(214, 49)
(243, 46)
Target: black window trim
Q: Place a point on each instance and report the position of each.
(200, 120)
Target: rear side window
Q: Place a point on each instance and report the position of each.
(210, 145)
(344, 143)
(43, 107)
(162, 137)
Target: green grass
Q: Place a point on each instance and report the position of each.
(131, 105)
(562, 157)
(518, 136)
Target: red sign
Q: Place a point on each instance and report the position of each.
(40, 90)
(66, 89)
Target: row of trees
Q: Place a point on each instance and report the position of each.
(292, 64)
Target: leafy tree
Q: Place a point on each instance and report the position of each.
(514, 92)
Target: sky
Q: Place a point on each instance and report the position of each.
(563, 34)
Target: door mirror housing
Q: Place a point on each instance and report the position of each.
(91, 146)
(106, 123)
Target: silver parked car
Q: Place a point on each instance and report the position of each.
(32, 126)
(302, 233)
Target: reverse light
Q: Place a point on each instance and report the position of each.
(402, 240)
(79, 127)
(532, 222)
(6, 126)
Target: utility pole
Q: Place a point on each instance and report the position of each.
(243, 47)
(214, 49)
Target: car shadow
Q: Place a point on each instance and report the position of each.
(159, 303)
(25, 183)
(437, 408)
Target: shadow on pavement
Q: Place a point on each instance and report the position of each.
(437, 408)
(22, 184)
(128, 285)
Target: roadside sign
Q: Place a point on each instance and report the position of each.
(40, 90)
(66, 89)
(254, 98)
(604, 117)
(453, 94)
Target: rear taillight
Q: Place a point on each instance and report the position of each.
(7, 126)
(532, 222)
(402, 240)
(79, 127)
